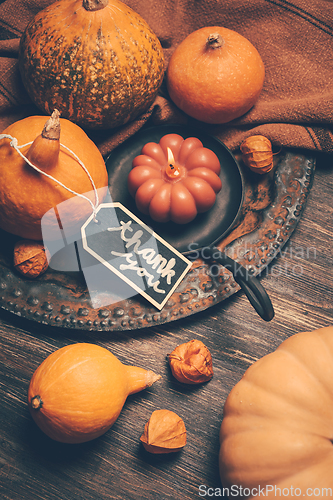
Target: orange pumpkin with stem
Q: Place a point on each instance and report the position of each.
(27, 195)
(215, 75)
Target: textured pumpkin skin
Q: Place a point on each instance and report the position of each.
(277, 426)
(100, 69)
(26, 196)
(82, 388)
(178, 199)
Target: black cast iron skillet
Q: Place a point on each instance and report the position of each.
(199, 237)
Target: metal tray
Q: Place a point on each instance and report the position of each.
(62, 299)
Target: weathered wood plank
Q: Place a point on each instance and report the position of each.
(116, 466)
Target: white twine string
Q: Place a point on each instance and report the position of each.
(14, 144)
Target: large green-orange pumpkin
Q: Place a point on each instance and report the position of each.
(277, 430)
(96, 61)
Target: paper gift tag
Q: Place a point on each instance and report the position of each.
(134, 252)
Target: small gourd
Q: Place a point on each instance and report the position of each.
(78, 391)
(26, 195)
(97, 61)
(175, 179)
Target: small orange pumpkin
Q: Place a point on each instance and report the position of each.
(97, 61)
(215, 75)
(78, 392)
(276, 432)
(26, 195)
(175, 179)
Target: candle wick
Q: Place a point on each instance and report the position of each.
(171, 166)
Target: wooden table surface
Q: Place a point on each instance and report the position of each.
(115, 466)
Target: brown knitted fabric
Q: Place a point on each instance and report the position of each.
(293, 37)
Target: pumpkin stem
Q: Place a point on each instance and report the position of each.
(92, 5)
(139, 378)
(44, 151)
(36, 402)
(51, 128)
(215, 41)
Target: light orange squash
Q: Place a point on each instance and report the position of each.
(78, 392)
(277, 427)
(26, 195)
(97, 61)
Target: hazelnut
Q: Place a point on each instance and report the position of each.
(191, 363)
(164, 432)
(30, 258)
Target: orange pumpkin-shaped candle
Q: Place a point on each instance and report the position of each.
(27, 195)
(175, 179)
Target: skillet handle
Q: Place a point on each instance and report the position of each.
(250, 285)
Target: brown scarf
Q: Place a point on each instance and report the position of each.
(293, 37)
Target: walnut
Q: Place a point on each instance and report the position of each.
(191, 363)
(164, 432)
(30, 258)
